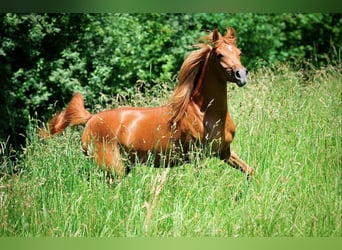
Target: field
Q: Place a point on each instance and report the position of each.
(288, 128)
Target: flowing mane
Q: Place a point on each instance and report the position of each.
(190, 72)
(188, 77)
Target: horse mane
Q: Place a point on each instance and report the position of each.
(191, 70)
(188, 76)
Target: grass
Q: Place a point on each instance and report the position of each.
(288, 128)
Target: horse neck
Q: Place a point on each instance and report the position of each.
(210, 94)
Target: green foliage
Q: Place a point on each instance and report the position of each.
(47, 57)
(30, 47)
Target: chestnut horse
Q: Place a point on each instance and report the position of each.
(197, 113)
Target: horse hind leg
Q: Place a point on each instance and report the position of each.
(108, 156)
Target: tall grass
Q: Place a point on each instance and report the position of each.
(288, 128)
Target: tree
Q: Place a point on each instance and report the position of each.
(46, 57)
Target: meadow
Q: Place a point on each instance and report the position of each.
(288, 128)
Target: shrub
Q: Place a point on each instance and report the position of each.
(47, 57)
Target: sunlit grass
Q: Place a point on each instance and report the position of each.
(288, 128)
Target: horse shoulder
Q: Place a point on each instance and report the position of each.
(191, 125)
(229, 129)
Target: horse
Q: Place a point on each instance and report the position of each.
(197, 113)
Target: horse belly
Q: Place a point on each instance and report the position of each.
(145, 132)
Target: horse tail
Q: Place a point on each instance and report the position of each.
(74, 114)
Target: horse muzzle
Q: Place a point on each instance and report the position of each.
(240, 76)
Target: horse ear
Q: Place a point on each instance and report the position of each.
(216, 35)
(231, 34)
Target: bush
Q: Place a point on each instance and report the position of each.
(47, 57)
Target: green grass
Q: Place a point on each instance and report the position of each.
(288, 128)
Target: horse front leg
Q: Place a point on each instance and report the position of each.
(235, 161)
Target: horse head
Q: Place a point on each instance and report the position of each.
(228, 56)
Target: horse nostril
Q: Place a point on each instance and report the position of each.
(239, 74)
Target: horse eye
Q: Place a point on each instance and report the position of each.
(219, 56)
